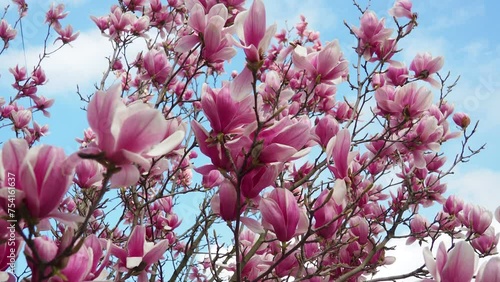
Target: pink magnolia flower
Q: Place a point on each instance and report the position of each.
(7, 33)
(338, 148)
(458, 265)
(328, 209)
(406, 101)
(119, 21)
(66, 35)
(224, 113)
(489, 271)
(88, 173)
(38, 76)
(326, 128)
(47, 251)
(327, 65)
(21, 118)
(453, 205)
(401, 8)
(139, 254)
(224, 203)
(371, 33)
(78, 265)
(359, 228)
(211, 32)
(130, 134)
(419, 226)
(156, 66)
(258, 179)
(251, 29)
(283, 140)
(424, 66)
(101, 22)
(461, 119)
(54, 14)
(476, 218)
(377, 80)
(19, 73)
(385, 50)
(42, 104)
(397, 74)
(487, 242)
(281, 214)
(41, 174)
(135, 5)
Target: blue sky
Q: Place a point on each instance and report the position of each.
(464, 32)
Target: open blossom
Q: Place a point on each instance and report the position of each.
(7, 33)
(281, 214)
(397, 74)
(211, 32)
(458, 265)
(157, 66)
(401, 8)
(66, 35)
(424, 66)
(371, 34)
(21, 118)
(476, 218)
(328, 209)
(487, 242)
(139, 254)
(489, 271)
(251, 30)
(41, 176)
(224, 113)
(130, 134)
(283, 140)
(327, 65)
(54, 14)
(406, 101)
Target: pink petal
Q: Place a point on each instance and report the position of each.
(128, 175)
(255, 24)
(460, 264)
(197, 18)
(241, 86)
(430, 263)
(13, 153)
(252, 224)
(167, 145)
(142, 128)
(135, 245)
(101, 115)
(186, 43)
(489, 271)
(218, 10)
(156, 252)
(340, 152)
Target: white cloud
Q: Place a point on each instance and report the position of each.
(81, 63)
(478, 187)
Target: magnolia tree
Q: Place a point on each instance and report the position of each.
(275, 176)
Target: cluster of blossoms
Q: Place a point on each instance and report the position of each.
(291, 178)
